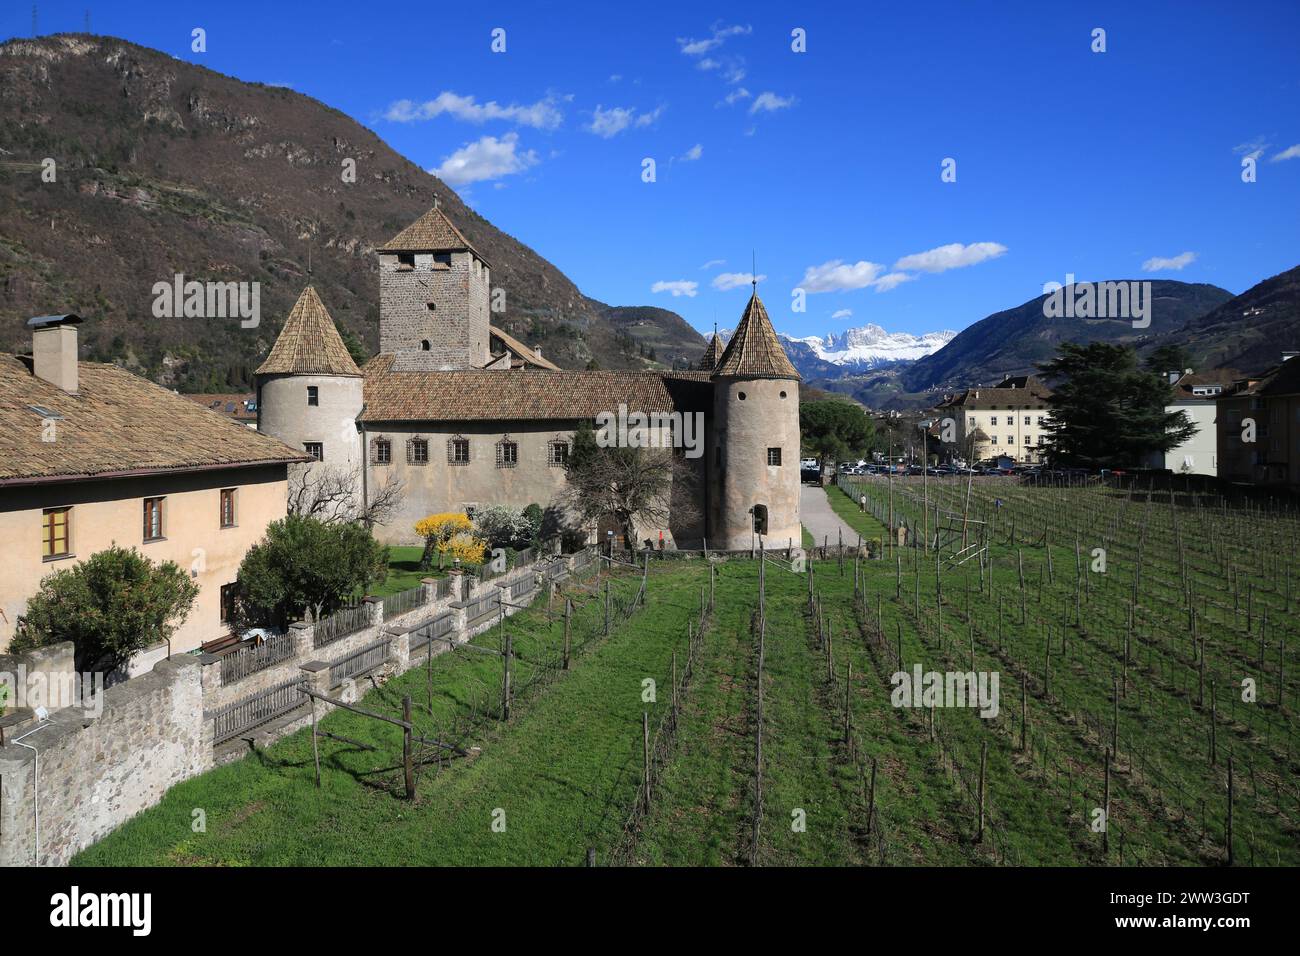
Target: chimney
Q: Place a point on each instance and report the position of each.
(537, 349)
(54, 349)
(1173, 376)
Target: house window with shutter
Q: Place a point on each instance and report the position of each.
(417, 451)
(153, 519)
(55, 536)
(458, 451)
(507, 453)
(381, 451)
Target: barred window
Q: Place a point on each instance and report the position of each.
(381, 451)
(507, 453)
(417, 451)
(458, 451)
(557, 453)
(315, 449)
(774, 456)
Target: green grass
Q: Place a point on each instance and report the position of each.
(404, 571)
(863, 522)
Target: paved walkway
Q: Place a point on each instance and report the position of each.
(823, 523)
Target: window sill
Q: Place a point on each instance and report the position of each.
(229, 527)
(154, 540)
(57, 557)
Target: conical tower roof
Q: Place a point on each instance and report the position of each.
(432, 232)
(712, 352)
(309, 343)
(754, 350)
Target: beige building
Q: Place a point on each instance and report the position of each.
(464, 416)
(1006, 419)
(1196, 395)
(92, 455)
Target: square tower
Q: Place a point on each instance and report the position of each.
(434, 291)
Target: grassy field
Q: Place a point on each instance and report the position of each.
(1146, 716)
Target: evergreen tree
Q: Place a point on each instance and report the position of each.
(1106, 412)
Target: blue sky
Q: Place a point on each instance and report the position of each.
(823, 164)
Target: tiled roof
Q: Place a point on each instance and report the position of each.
(432, 232)
(754, 350)
(981, 397)
(712, 352)
(309, 343)
(116, 423)
(497, 395)
(232, 406)
(522, 351)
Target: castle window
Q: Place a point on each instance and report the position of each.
(227, 602)
(431, 306)
(315, 449)
(760, 519)
(774, 456)
(228, 507)
(507, 453)
(54, 532)
(313, 395)
(458, 451)
(381, 451)
(557, 453)
(741, 396)
(442, 260)
(405, 260)
(425, 345)
(417, 451)
(783, 394)
(153, 519)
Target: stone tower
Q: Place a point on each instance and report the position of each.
(434, 292)
(309, 391)
(755, 468)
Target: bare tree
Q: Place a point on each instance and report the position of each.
(631, 486)
(332, 494)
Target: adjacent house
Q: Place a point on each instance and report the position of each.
(240, 408)
(1196, 395)
(1258, 427)
(92, 455)
(1005, 420)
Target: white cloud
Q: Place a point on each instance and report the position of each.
(839, 276)
(734, 280)
(1180, 261)
(842, 314)
(952, 256)
(1252, 149)
(486, 158)
(1291, 152)
(740, 93)
(544, 114)
(694, 153)
(677, 287)
(712, 263)
(769, 102)
(607, 123)
(615, 77)
(892, 281)
(693, 47)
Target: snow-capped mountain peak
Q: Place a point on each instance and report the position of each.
(865, 347)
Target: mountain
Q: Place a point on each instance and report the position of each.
(1248, 332)
(853, 351)
(1015, 341)
(164, 167)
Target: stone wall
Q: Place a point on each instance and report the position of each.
(455, 328)
(69, 780)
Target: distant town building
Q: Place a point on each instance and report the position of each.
(1196, 395)
(1004, 420)
(1258, 427)
(92, 455)
(241, 408)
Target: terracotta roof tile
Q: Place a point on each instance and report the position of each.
(754, 350)
(432, 232)
(309, 343)
(712, 352)
(522, 351)
(232, 406)
(497, 395)
(117, 422)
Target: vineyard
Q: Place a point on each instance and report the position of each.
(739, 712)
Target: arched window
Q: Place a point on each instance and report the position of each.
(760, 519)
(425, 346)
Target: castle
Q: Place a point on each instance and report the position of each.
(464, 416)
